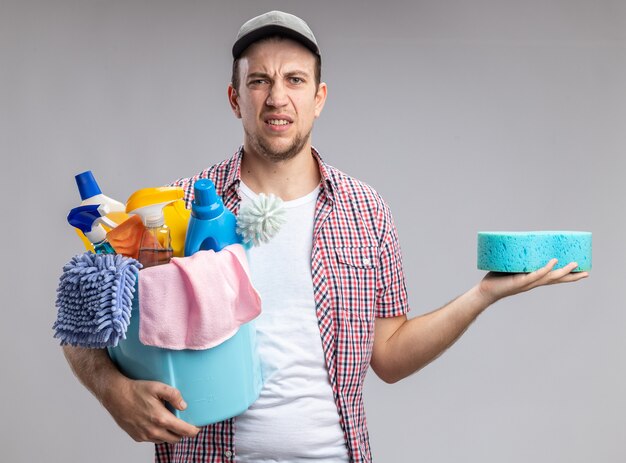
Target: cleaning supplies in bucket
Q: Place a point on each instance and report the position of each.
(219, 382)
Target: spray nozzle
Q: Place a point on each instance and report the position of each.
(148, 203)
(88, 219)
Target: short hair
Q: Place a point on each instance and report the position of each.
(234, 79)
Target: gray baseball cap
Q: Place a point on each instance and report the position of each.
(274, 23)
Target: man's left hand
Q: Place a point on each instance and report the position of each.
(496, 286)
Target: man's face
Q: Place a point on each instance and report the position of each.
(277, 99)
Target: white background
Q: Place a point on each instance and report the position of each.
(465, 115)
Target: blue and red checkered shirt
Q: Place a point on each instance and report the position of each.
(357, 276)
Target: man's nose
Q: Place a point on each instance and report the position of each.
(277, 96)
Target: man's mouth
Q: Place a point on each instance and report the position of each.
(278, 122)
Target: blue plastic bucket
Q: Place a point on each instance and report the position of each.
(217, 383)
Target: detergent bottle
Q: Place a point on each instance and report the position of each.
(155, 247)
(88, 220)
(211, 225)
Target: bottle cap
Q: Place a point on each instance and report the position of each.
(87, 185)
(154, 221)
(206, 202)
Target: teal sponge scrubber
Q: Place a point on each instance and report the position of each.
(519, 252)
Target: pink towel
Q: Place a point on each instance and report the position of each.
(196, 302)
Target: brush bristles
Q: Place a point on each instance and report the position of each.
(260, 219)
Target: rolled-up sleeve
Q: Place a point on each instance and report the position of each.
(391, 294)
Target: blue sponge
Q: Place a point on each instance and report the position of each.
(520, 252)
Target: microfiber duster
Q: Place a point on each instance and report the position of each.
(94, 299)
(520, 252)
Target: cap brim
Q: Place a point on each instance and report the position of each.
(266, 31)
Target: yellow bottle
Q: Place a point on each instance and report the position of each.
(177, 218)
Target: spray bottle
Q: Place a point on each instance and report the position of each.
(88, 219)
(155, 247)
(90, 193)
(211, 225)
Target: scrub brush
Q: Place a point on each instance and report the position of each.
(260, 219)
(94, 300)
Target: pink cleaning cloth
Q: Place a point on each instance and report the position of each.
(196, 302)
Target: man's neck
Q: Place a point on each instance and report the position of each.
(288, 180)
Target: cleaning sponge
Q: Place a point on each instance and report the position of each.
(519, 252)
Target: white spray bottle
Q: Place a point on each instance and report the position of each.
(90, 193)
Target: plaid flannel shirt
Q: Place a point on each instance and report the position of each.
(357, 276)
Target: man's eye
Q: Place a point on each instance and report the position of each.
(258, 81)
(296, 80)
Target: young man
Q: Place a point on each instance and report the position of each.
(332, 282)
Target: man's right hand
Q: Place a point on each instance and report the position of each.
(138, 408)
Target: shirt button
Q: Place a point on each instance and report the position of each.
(228, 454)
(366, 261)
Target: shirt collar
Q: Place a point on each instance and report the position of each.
(234, 174)
(327, 182)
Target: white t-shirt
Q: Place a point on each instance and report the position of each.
(295, 418)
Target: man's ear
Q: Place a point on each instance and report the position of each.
(320, 98)
(233, 99)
